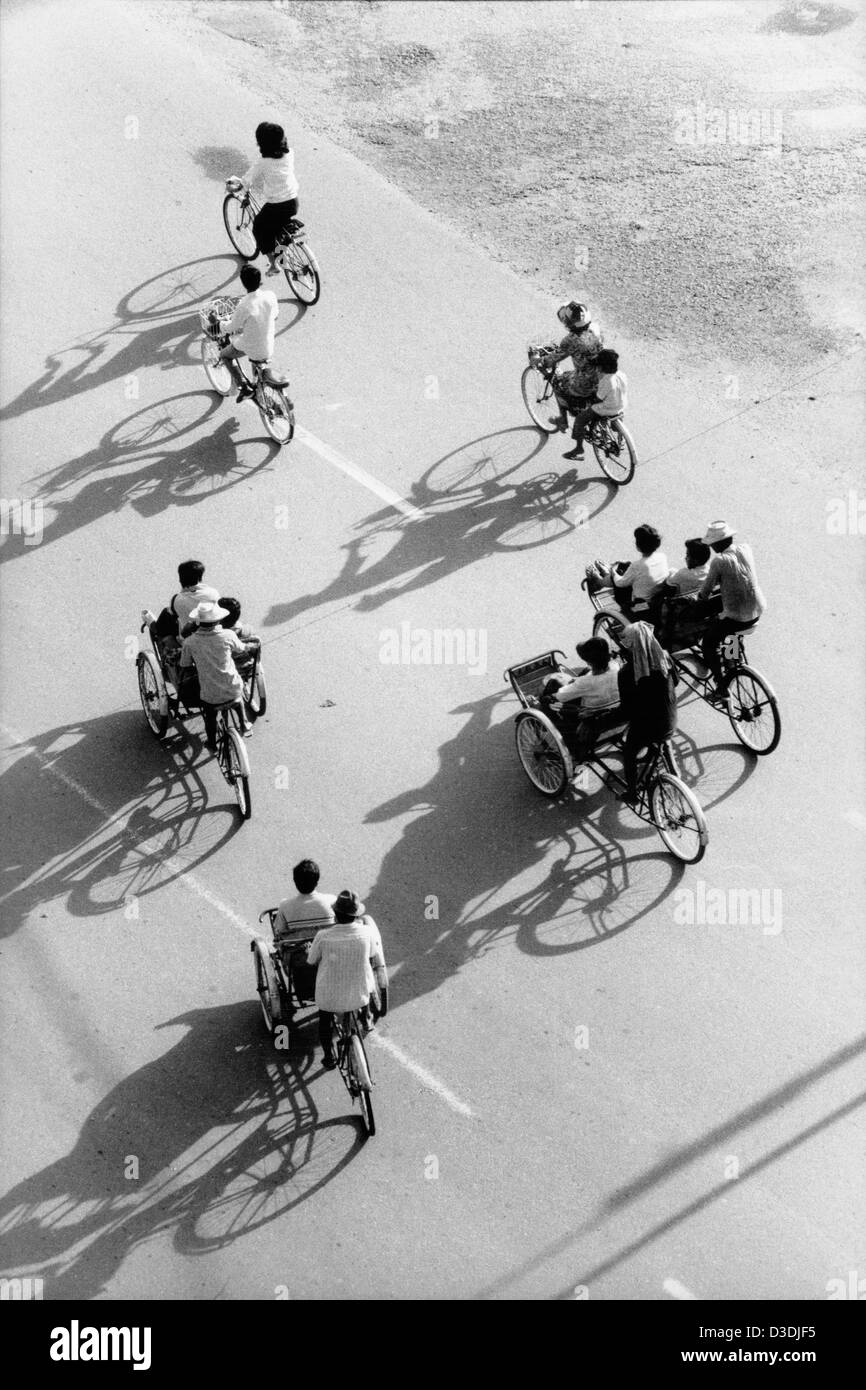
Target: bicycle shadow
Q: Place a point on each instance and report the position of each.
(125, 468)
(471, 508)
(220, 1136)
(143, 818)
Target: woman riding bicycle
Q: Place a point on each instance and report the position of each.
(274, 175)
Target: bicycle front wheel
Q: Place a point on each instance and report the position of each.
(678, 817)
(616, 456)
(302, 273)
(753, 711)
(217, 370)
(278, 416)
(237, 772)
(238, 218)
(539, 399)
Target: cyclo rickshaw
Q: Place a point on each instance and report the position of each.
(286, 983)
(170, 692)
(746, 696)
(547, 751)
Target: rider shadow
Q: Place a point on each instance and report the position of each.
(104, 816)
(473, 505)
(153, 477)
(479, 796)
(225, 1139)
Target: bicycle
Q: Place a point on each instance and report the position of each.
(294, 256)
(611, 442)
(267, 388)
(232, 758)
(353, 1065)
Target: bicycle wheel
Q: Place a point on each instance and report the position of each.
(539, 399)
(266, 987)
(363, 1083)
(540, 755)
(608, 625)
(238, 218)
(617, 456)
(753, 711)
(678, 817)
(302, 272)
(151, 691)
(276, 411)
(255, 694)
(216, 370)
(238, 773)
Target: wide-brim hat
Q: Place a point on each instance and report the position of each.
(718, 531)
(578, 315)
(348, 904)
(208, 613)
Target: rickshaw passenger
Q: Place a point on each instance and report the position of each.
(681, 604)
(308, 905)
(585, 700)
(646, 684)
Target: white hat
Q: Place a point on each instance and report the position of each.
(208, 613)
(718, 531)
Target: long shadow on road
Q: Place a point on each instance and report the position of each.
(212, 1140)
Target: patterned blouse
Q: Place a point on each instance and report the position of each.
(581, 347)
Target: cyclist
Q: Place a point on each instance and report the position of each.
(211, 650)
(649, 701)
(274, 176)
(347, 955)
(582, 342)
(252, 323)
(732, 569)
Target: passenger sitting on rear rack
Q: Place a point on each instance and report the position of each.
(649, 701)
(584, 701)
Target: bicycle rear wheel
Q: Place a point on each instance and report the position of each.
(302, 272)
(237, 771)
(278, 416)
(363, 1082)
(238, 219)
(753, 711)
(678, 818)
(539, 399)
(617, 457)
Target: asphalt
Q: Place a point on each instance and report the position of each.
(576, 1091)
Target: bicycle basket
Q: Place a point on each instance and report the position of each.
(220, 308)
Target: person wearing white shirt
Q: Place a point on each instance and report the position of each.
(351, 967)
(273, 178)
(611, 398)
(642, 580)
(251, 326)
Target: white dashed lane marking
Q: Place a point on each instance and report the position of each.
(360, 475)
(677, 1290)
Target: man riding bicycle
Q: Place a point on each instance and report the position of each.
(252, 324)
(732, 570)
(347, 955)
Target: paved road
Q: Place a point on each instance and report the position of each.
(578, 1090)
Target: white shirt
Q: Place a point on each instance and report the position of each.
(303, 907)
(274, 177)
(612, 393)
(595, 691)
(254, 320)
(345, 978)
(644, 575)
(188, 599)
(687, 581)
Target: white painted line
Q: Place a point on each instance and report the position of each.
(856, 818)
(677, 1290)
(360, 475)
(188, 880)
(424, 1076)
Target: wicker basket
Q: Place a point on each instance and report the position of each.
(222, 308)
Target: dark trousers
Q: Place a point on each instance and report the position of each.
(209, 713)
(270, 221)
(581, 420)
(714, 635)
(326, 1032)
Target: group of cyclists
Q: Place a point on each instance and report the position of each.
(716, 588)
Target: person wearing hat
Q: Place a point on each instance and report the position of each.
(211, 650)
(351, 965)
(732, 572)
(592, 693)
(582, 343)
